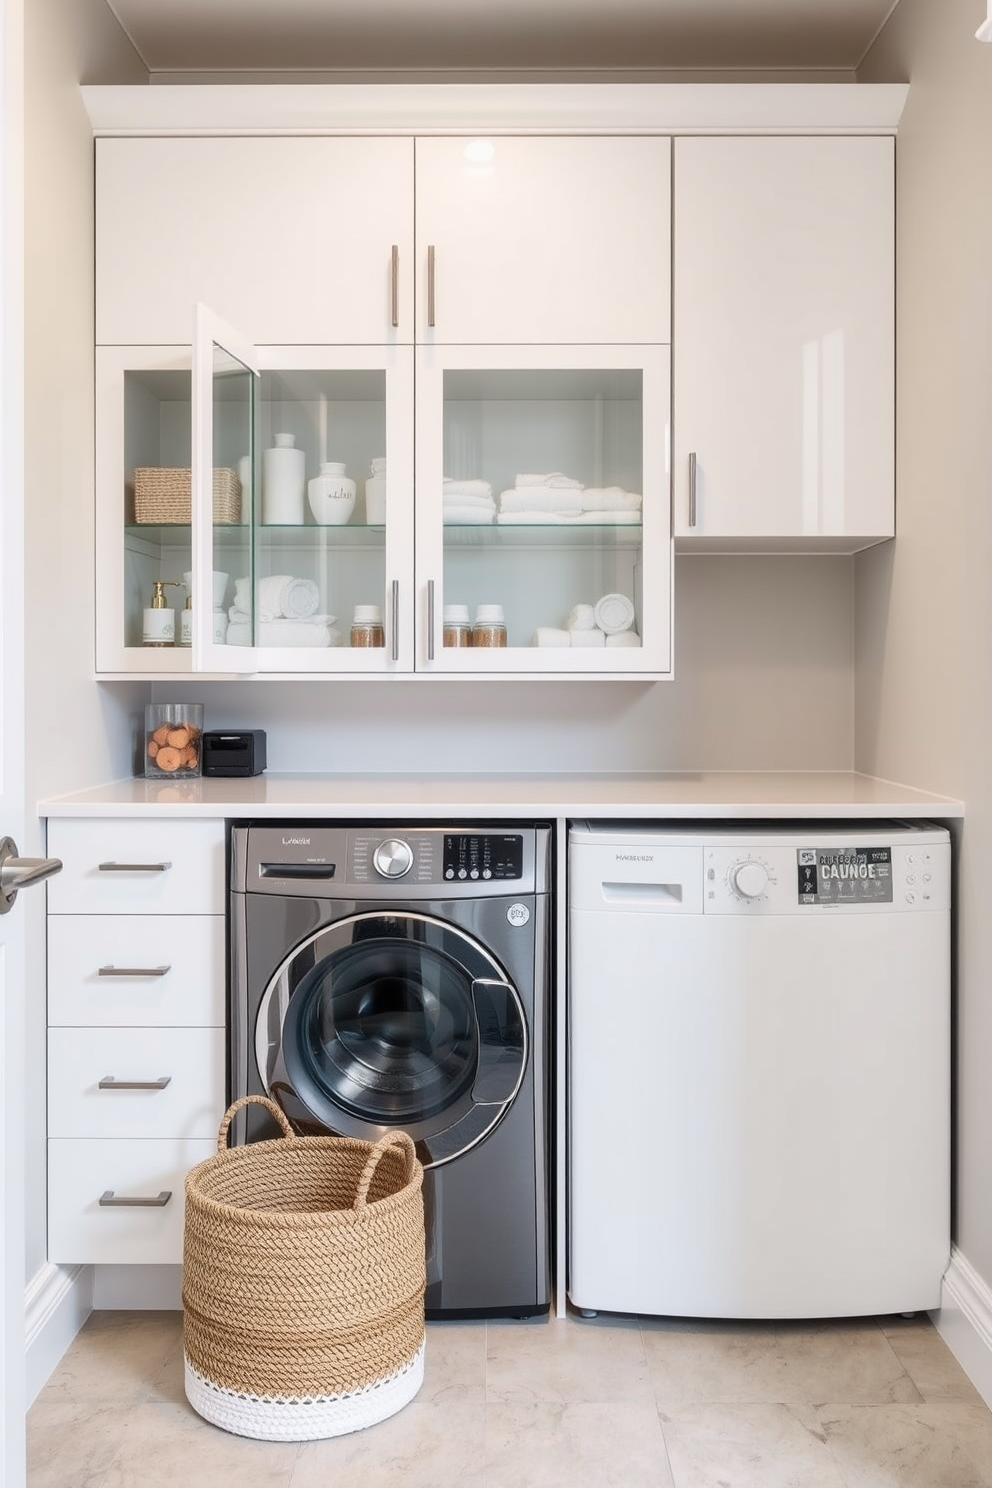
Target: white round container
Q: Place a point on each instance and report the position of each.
(331, 495)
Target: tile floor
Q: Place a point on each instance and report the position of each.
(602, 1403)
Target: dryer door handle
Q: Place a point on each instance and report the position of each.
(502, 1034)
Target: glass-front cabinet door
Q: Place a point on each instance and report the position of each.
(318, 576)
(544, 510)
(262, 522)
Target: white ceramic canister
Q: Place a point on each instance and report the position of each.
(375, 493)
(283, 483)
(331, 495)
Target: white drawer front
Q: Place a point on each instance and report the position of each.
(128, 970)
(82, 1231)
(141, 866)
(189, 1060)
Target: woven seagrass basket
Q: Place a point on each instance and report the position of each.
(164, 494)
(303, 1283)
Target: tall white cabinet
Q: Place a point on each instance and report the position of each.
(784, 312)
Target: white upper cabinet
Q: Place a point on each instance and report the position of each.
(549, 240)
(299, 240)
(783, 345)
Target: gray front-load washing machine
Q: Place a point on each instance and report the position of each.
(399, 977)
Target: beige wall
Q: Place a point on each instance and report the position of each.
(72, 727)
(923, 655)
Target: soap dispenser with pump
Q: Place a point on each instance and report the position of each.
(158, 621)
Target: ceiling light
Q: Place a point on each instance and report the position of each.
(984, 32)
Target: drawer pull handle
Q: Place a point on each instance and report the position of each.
(133, 971)
(110, 1082)
(110, 1200)
(133, 867)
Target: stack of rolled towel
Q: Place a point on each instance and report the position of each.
(286, 612)
(467, 501)
(609, 622)
(556, 497)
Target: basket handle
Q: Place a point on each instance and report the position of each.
(251, 1100)
(391, 1139)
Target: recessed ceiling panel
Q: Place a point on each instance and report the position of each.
(303, 35)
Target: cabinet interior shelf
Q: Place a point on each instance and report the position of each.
(359, 535)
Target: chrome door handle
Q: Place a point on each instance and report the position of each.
(20, 873)
(692, 489)
(431, 269)
(133, 971)
(110, 1200)
(395, 287)
(430, 619)
(110, 1082)
(394, 626)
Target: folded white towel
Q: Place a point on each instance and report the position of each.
(280, 597)
(609, 498)
(547, 635)
(581, 617)
(614, 612)
(456, 515)
(285, 633)
(467, 487)
(624, 638)
(554, 479)
(537, 498)
(454, 498)
(610, 518)
(538, 519)
(586, 638)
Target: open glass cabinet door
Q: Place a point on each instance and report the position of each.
(225, 396)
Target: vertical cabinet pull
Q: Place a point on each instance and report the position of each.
(394, 619)
(395, 286)
(430, 619)
(692, 489)
(430, 284)
(110, 1082)
(110, 1200)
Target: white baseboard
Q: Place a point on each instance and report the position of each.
(137, 1288)
(57, 1302)
(964, 1321)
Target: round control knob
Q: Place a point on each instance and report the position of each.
(393, 858)
(749, 879)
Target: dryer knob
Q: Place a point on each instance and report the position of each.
(393, 858)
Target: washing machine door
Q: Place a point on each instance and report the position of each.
(393, 1020)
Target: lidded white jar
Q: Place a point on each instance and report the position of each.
(331, 495)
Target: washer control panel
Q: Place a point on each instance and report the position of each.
(861, 873)
(483, 856)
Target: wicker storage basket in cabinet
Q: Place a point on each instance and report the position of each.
(163, 494)
(303, 1283)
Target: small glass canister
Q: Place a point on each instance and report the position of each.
(457, 626)
(366, 626)
(490, 627)
(173, 736)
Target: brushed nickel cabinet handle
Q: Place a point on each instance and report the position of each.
(134, 867)
(431, 267)
(692, 489)
(430, 619)
(395, 619)
(110, 1200)
(111, 1082)
(395, 286)
(133, 971)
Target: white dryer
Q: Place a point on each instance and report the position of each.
(758, 1068)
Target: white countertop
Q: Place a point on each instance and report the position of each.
(688, 795)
